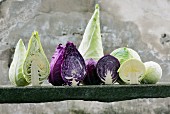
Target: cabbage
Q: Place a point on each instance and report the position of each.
(15, 71)
(123, 54)
(91, 77)
(36, 66)
(153, 73)
(107, 68)
(67, 66)
(73, 67)
(91, 44)
(55, 67)
(131, 71)
(91, 48)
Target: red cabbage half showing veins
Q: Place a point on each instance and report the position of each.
(73, 68)
(107, 68)
(55, 66)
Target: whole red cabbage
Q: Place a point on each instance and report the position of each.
(55, 66)
(91, 77)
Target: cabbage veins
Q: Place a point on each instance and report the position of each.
(107, 69)
(73, 68)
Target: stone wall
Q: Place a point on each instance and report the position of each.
(142, 25)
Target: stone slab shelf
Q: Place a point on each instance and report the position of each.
(102, 93)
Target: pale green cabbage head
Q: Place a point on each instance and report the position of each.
(16, 76)
(124, 53)
(153, 73)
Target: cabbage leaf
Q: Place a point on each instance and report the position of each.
(55, 66)
(91, 44)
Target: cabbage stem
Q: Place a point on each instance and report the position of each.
(34, 74)
(74, 83)
(133, 78)
(108, 79)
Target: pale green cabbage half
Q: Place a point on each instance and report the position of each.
(91, 45)
(15, 71)
(36, 66)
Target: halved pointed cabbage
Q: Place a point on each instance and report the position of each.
(36, 66)
(91, 45)
(73, 67)
(15, 71)
(67, 66)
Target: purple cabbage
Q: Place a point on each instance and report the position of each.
(107, 68)
(91, 77)
(55, 66)
(73, 68)
(67, 66)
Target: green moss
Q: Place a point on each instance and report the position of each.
(102, 93)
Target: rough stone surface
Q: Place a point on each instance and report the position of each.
(138, 24)
(139, 106)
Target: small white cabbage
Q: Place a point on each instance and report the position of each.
(153, 73)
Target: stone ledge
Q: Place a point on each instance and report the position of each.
(103, 93)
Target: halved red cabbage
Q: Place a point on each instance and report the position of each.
(73, 68)
(55, 66)
(107, 68)
(91, 77)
